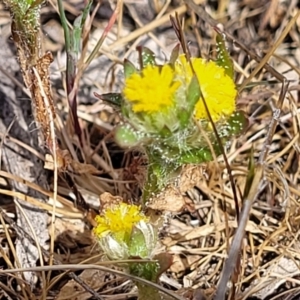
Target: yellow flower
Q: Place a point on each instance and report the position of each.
(217, 88)
(152, 90)
(118, 221)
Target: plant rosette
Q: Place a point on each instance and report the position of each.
(123, 232)
(167, 109)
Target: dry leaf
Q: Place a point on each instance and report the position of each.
(70, 233)
(279, 272)
(191, 176)
(206, 230)
(66, 163)
(72, 290)
(106, 199)
(168, 200)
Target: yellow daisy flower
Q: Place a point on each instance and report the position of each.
(152, 90)
(218, 89)
(119, 221)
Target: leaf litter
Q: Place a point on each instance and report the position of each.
(200, 229)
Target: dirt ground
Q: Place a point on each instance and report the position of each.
(198, 233)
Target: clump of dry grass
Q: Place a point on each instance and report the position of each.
(205, 226)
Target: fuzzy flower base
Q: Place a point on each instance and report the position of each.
(123, 231)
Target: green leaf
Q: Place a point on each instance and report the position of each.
(77, 28)
(184, 117)
(193, 93)
(34, 3)
(164, 132)
(126, 137)
(137, 244)
(174, 54)
(114, 99)
(65, 26)
(196, 156)
(146, 57)
(237, 123)
(223, 57)
(193, 96)
(76, 35)
(129, 68)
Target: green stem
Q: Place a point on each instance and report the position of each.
(25, 30)
(147, 292)
(159, 174)
(64, 23)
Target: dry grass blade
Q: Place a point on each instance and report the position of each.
(152, 25)
(215, 253)
(108, 270)
(249, 200)
(235, 246)
(257, 180)
(265, 59)
(207, 18)
(20, 231)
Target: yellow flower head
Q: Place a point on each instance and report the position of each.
(119, 221)
(217, 88)
(152, 90)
